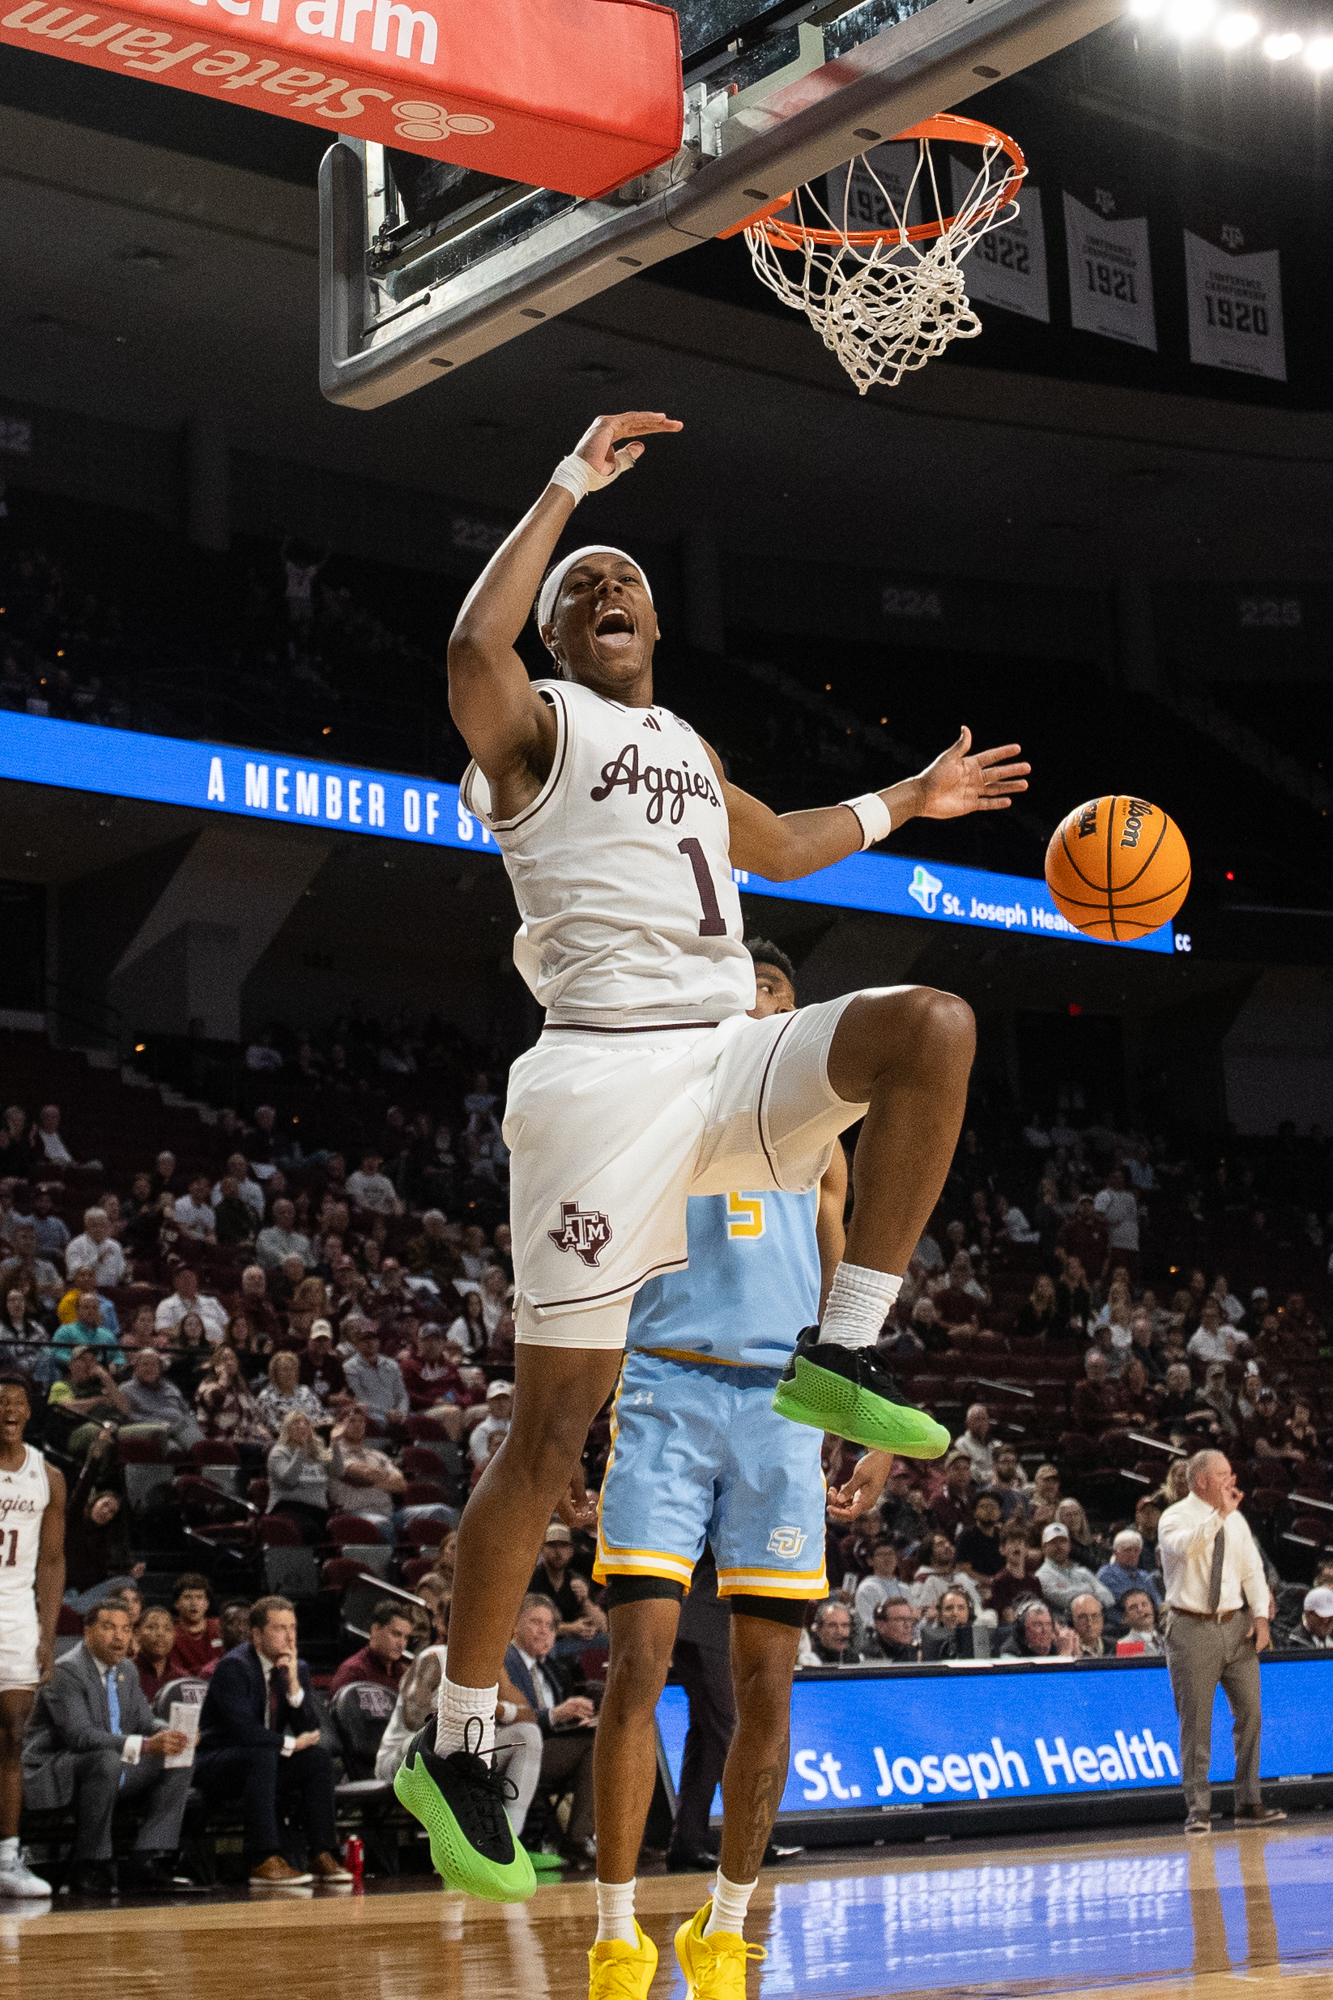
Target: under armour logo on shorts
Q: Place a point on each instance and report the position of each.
(787, 1542)
(585, 1231)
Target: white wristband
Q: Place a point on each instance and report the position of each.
(875, 818)
(579, 478)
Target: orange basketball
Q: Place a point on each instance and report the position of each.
(1118, 868)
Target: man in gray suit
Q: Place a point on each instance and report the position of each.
(94, 1739)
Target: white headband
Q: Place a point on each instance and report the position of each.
(550, 589)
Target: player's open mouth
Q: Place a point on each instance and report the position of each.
(614, 627)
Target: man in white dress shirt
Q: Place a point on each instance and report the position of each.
(1217, 1624)
(97, 1249)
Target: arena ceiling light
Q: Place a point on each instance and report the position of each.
(1187, 18)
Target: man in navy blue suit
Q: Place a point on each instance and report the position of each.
(259, 1740)
(566, 1719)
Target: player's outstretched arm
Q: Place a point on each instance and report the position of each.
(49, 1584)
(506, 725)
(785, 846)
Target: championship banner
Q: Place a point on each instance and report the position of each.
(1008, 265)
(893, 166)
(575, 95)
(1110, 277)
(1235, 303)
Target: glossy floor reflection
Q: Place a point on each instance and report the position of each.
(1142, 1915)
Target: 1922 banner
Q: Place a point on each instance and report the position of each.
(1007, 267)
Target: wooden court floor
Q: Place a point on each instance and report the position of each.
(1147, 1916)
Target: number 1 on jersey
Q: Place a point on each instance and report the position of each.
(713, 923)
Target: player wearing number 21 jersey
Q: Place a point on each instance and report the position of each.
(651, 1081)
(32, 1579)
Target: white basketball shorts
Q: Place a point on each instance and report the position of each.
(19, 1633)
(611, 1131)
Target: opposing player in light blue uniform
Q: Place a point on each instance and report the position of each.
(699, 1454)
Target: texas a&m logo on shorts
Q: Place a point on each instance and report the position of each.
(585, 1231)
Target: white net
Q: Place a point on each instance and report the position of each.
(888, 299)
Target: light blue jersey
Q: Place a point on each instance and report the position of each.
(698, 1451)
(752, 1283)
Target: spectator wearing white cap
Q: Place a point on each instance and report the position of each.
(1314, 1633)
(1060, 1579)
(556, 1578)
(495, 1424)
(1122, 1573)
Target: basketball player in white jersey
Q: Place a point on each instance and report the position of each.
(650, 1082)
(32, 1583)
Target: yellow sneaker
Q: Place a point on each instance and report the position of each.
(714, 1967)
(620, 1971)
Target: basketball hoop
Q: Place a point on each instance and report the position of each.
(888, 299)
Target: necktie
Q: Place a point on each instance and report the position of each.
(1215, 1579)
(272, 1702)
(113, 1710)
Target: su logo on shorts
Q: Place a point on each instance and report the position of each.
(787, 1542)
(585, 1231)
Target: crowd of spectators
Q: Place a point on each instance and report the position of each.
(276, 646)
(316, 1349)
(1096, 1305)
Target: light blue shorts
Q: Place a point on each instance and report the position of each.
(697, 1453)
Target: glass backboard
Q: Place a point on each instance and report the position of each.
(425, 266)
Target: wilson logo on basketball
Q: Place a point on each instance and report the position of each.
(1139, 810)
(585, 1231)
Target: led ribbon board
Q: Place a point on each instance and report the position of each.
(576, 95)
(867, 1742)
(266, 785)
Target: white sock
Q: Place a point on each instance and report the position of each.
(858, 1305)
(615, 1913)
(730, 1902)
(9, 1853)
(456, 1708)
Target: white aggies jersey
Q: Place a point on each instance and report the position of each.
(23, 1500)
(621, 871)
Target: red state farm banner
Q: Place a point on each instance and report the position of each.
(577, 95)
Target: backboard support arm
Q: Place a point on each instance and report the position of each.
(741, 150)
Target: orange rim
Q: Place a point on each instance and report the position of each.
(948, 125)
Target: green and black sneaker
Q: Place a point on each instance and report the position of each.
(849, 1391)
(460, 1801)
